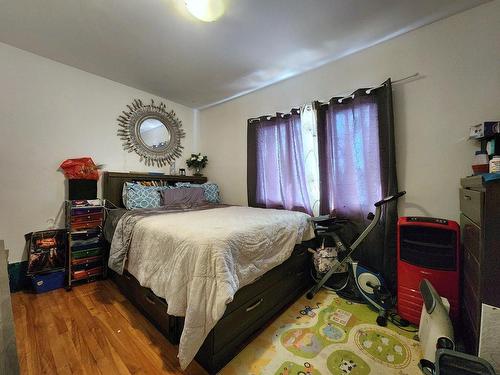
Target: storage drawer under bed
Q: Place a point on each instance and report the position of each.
(297, 261)
(241, 320)
(151, 306)
(252, 307)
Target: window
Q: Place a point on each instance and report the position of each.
(286, 156)
(325, 156)
(310, 150)
(350, 155)
(277, 173)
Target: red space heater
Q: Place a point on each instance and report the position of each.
(428, 248)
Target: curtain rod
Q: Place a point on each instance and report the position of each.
(369, 90)
(268, 117)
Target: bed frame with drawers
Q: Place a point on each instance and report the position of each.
(253, 306)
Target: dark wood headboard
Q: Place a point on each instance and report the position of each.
(112, 183)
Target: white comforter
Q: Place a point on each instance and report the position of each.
(198, 260)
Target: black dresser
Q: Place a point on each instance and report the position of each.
(8, 353)
(480, 228)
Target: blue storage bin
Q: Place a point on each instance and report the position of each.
(48, 281)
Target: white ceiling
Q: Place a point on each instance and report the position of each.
(156, 46)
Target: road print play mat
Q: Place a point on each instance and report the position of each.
(328, 335)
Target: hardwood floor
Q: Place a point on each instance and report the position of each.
(92, 329)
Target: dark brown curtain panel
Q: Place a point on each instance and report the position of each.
(357, 165)
(275, 163)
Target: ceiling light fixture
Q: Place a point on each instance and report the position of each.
(205, 10)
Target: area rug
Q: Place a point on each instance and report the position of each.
(328, 335)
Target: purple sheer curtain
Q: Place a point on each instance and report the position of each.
(357, 166)
(351, 156)
(276, 173)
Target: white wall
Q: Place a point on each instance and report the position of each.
(460, 59)
(50, 112)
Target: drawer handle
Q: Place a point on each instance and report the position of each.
(295, 273)
(467, 197)
(255, 305)
(150, 300)
(258, 278)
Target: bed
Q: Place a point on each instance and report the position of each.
(224, 270)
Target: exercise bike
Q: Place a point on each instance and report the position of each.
(369, 284)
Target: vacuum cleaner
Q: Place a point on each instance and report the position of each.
(435, 330)
(369, 284)
(436, 338)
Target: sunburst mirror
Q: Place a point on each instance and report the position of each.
(152, 132)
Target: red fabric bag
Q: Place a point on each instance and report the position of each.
(80, 169)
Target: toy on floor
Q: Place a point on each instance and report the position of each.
(368, 284)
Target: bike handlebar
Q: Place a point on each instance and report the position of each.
(390, 198)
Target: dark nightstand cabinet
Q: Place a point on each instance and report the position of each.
(480, 228)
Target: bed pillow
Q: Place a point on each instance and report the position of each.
(211, 190)
(191, 196)
(140, 196)
(212, 193)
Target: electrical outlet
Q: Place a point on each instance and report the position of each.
(51, 223)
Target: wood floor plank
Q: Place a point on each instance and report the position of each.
(98, 343)
(19, 309)
(34, 365)
(93, 330)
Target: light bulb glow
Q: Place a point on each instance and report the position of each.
(205, 10)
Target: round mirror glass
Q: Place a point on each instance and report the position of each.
(154, 133)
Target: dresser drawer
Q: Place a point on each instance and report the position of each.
(87, 235)
(471, 271)
(86, 225)
(471, 236)
(86, 211)
(86, 253)
(471, 204)
(76, 262)
(87, 265)
(471, 304)
(86, 218)
(92, 245)
(86, 273)
(468, 332)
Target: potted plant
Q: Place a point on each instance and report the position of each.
(197, 162)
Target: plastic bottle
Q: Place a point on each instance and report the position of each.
(480, 162)
(495, 164)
